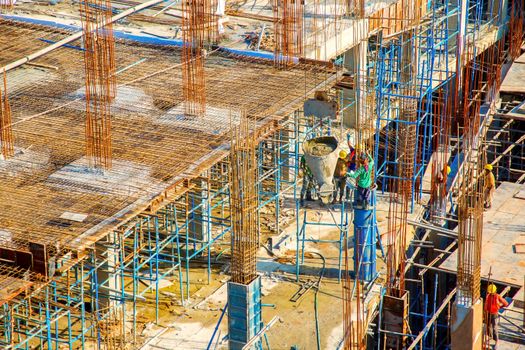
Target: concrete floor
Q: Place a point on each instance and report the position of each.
(191, 327)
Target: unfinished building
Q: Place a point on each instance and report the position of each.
(170, 174)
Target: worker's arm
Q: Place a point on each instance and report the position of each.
(370, 160)
(351, 154)
(355, 174)
(502, 301)
(492, 182)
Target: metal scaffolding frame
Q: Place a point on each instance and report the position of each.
(433, 43)
(127, 266)
(437, 70)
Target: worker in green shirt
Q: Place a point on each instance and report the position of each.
(363, 176)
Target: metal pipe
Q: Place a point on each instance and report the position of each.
(261, 332)
(217, 326)
(431, 321)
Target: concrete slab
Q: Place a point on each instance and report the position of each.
(513, 82)
(503, 226)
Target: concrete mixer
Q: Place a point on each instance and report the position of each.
(321, 155)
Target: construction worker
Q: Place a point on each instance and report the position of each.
(341, 168)
(308, 181)
(351, 166)
(442, 176)
(363, 176)
(439, 195)
(490, 186)
(351, 155)
(493, 302)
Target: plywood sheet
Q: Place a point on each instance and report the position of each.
(514, 80)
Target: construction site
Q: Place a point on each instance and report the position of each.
(249, 175)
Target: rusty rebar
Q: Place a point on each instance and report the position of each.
(243, 201)
(6, 130)
(288, 29)
(516, 28)
(198, 28)
(470, 202)
(6, 5)
(100, 80)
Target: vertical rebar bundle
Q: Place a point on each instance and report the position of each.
(516, 30)
(99, 64)
(198, 27)
(354, 332)
(401, 198)
(6, 130)
(347, 300)
(288, 29)
(355, 8)
(243, 202)
(470, 202)
(442, 126)
(6, 5)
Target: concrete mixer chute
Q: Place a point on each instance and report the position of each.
(321, 155)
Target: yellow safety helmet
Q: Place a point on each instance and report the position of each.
(491, 289)
(448, 170)
(343, 154)
(488, 167)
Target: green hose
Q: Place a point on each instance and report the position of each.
(318, 334)
(219, 255)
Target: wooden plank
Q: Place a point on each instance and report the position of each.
(519, 248)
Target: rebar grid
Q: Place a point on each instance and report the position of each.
(288, 29)
(29, 38)
(154, 145)
(100, 79)
(244, 201)
(163, 231)
(7, 142)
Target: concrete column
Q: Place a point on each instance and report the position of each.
(244, 313)
(197, 203)
(108, 280)
(467, 326)
(395, 320)
(355, 61)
